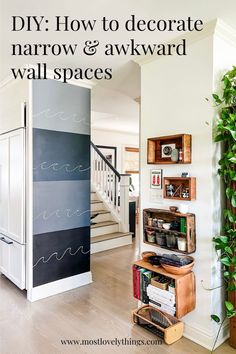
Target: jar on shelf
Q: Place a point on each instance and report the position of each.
(182, 244)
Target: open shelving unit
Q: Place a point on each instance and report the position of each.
(180, 141)
(180, 184)
(185, 293)
(189, 230)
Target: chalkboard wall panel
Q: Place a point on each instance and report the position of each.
(60, 254)
(61, 107)
(61, 175)
(61, 205)
(60, 156)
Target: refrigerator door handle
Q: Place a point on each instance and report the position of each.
(6, 241)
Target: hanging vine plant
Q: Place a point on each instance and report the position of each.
(225, 244)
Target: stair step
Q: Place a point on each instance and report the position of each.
(111, 236)
(103, 211)
(96, 201)
(103, 223)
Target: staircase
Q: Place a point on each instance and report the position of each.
(109, 205)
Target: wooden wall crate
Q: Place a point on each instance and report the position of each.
(155, 145)
(165, 326)
(185, 293)
(187, 228)
(180, 185)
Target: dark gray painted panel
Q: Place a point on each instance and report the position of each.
(60, 254)
(60, 156)
(60, 205)
(61, 107)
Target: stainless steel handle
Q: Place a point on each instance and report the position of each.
(5, 241)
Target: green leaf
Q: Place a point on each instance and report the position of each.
(229, 306)
(224, 239)
(233, 201)
(225, 261)
(228, 250)
(226, 274)
(217, 98)
(215, 318)
(233, 159)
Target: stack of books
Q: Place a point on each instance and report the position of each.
(161, 299)
(141, 280)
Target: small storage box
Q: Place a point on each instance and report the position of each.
(163, 325)
(156, 282)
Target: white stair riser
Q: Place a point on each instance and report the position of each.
(103, 230)
(94, 196)
(103, 217)
(109, 244)
(97, 206)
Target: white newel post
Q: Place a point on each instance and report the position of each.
(124, 202)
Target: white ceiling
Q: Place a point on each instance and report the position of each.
(126, 74)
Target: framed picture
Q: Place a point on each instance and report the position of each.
(109, 152)
(166, 150)
(156, 179)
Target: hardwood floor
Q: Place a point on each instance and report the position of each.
(98, 310)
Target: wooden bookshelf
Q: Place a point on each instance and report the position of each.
(185, 292)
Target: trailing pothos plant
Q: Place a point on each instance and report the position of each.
(225, 244)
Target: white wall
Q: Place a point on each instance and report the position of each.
(120, 140)
(173, 101)
(113, 138)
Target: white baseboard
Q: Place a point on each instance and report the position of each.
(199, 336)
(59, 286)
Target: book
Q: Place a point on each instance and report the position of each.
(146, 279)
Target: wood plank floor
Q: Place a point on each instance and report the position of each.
(98, 310)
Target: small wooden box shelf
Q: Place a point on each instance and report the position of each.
(180, 185)
(181, 141)
(171, 329)
(186, 222)
(185, 293)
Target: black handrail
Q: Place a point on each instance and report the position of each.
(105, 160)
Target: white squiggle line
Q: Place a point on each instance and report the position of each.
(48, 115)
(58, 215)
(56, 167)
(69, 249)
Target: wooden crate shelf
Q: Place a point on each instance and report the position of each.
(180, 141)
(180, 184)
(184, 287)
(189, 231)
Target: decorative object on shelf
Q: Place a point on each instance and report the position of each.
(173, 209)
(154, 260)
(163, 325)
(181, 226)
(161, 239)
(182, 244)
(149, 221)
(171, 287)
(179, 188)
(145, 255)
(165, 149)
(166, 225)
(156, 179)
(175, 155)
(160, 223)
(161, 282)
(177, 264)
(185, 174)
(171, 240)
(151, 237)
(155, 222)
